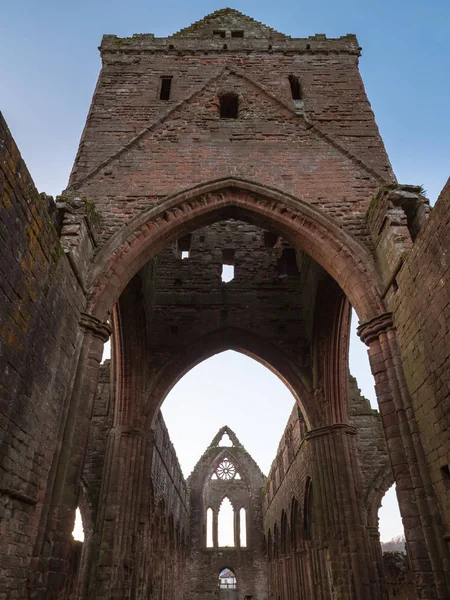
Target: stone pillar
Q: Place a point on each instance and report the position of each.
(112, 572)
(339, 531)
(423, 527)
(377, 558)
(52, 549)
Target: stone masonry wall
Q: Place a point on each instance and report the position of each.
(412, 250)
(166, 499)
(262, 304)
(207, 491)
(39, 338)
(421, 308)
(137, 148)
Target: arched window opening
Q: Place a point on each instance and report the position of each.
(269, 546)
(227, 581)
(295, 534)
(392, 534)
(229, 106)
(243, 528)
(284, 534)
(209, 528)
(78, 529)
(234, 405)
(275, 542)
(226, 524)
(296, 91)
(308, 523)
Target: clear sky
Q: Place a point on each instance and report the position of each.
(49, 64)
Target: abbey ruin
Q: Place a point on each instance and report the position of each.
(227, 143)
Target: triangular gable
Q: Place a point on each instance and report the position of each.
(218, 437)
(228, 20)
(269, 96)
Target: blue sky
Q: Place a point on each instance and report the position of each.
(49, 66)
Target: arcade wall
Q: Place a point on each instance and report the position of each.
(165, 503)
(411, 248)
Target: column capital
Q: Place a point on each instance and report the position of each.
(373, 532)
(369, 331)
(330, 429)
(93, 325)
(128, 431)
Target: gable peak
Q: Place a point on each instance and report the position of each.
(225, 437)
(228, 22)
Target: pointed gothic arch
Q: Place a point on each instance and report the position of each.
(239, 340)
(306, 226)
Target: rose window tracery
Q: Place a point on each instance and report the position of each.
(226, 470)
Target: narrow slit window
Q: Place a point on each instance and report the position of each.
(243, 528)
(295, 87)
(209, 528)
(166, 84)
(229, 106)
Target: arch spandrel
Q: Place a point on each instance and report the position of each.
(232, 338)
(305, 226)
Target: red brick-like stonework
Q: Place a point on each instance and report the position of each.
(296, 190)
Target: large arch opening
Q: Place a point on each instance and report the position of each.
(285, 309)
(231, 389)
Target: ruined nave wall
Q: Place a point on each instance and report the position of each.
(41, 302)
(412, 250)
(165, 504)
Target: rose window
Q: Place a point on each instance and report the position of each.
(226, 470)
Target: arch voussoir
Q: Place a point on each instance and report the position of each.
(344, 258)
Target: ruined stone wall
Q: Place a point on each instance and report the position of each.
(297, 557)
(372, 451)
(207, 491)
(165, 501)
(40, 301)
(399, 577)
(265, 310)
(412, 251)
(137, 148)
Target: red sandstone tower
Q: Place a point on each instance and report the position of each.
(227, 143)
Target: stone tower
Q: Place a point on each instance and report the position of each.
(227, 144)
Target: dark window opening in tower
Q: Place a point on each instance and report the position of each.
(237, 34)
(287, 264)
(229, 106)
(166, 84)
(295, 87)
(184, 246)
(220, 33)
